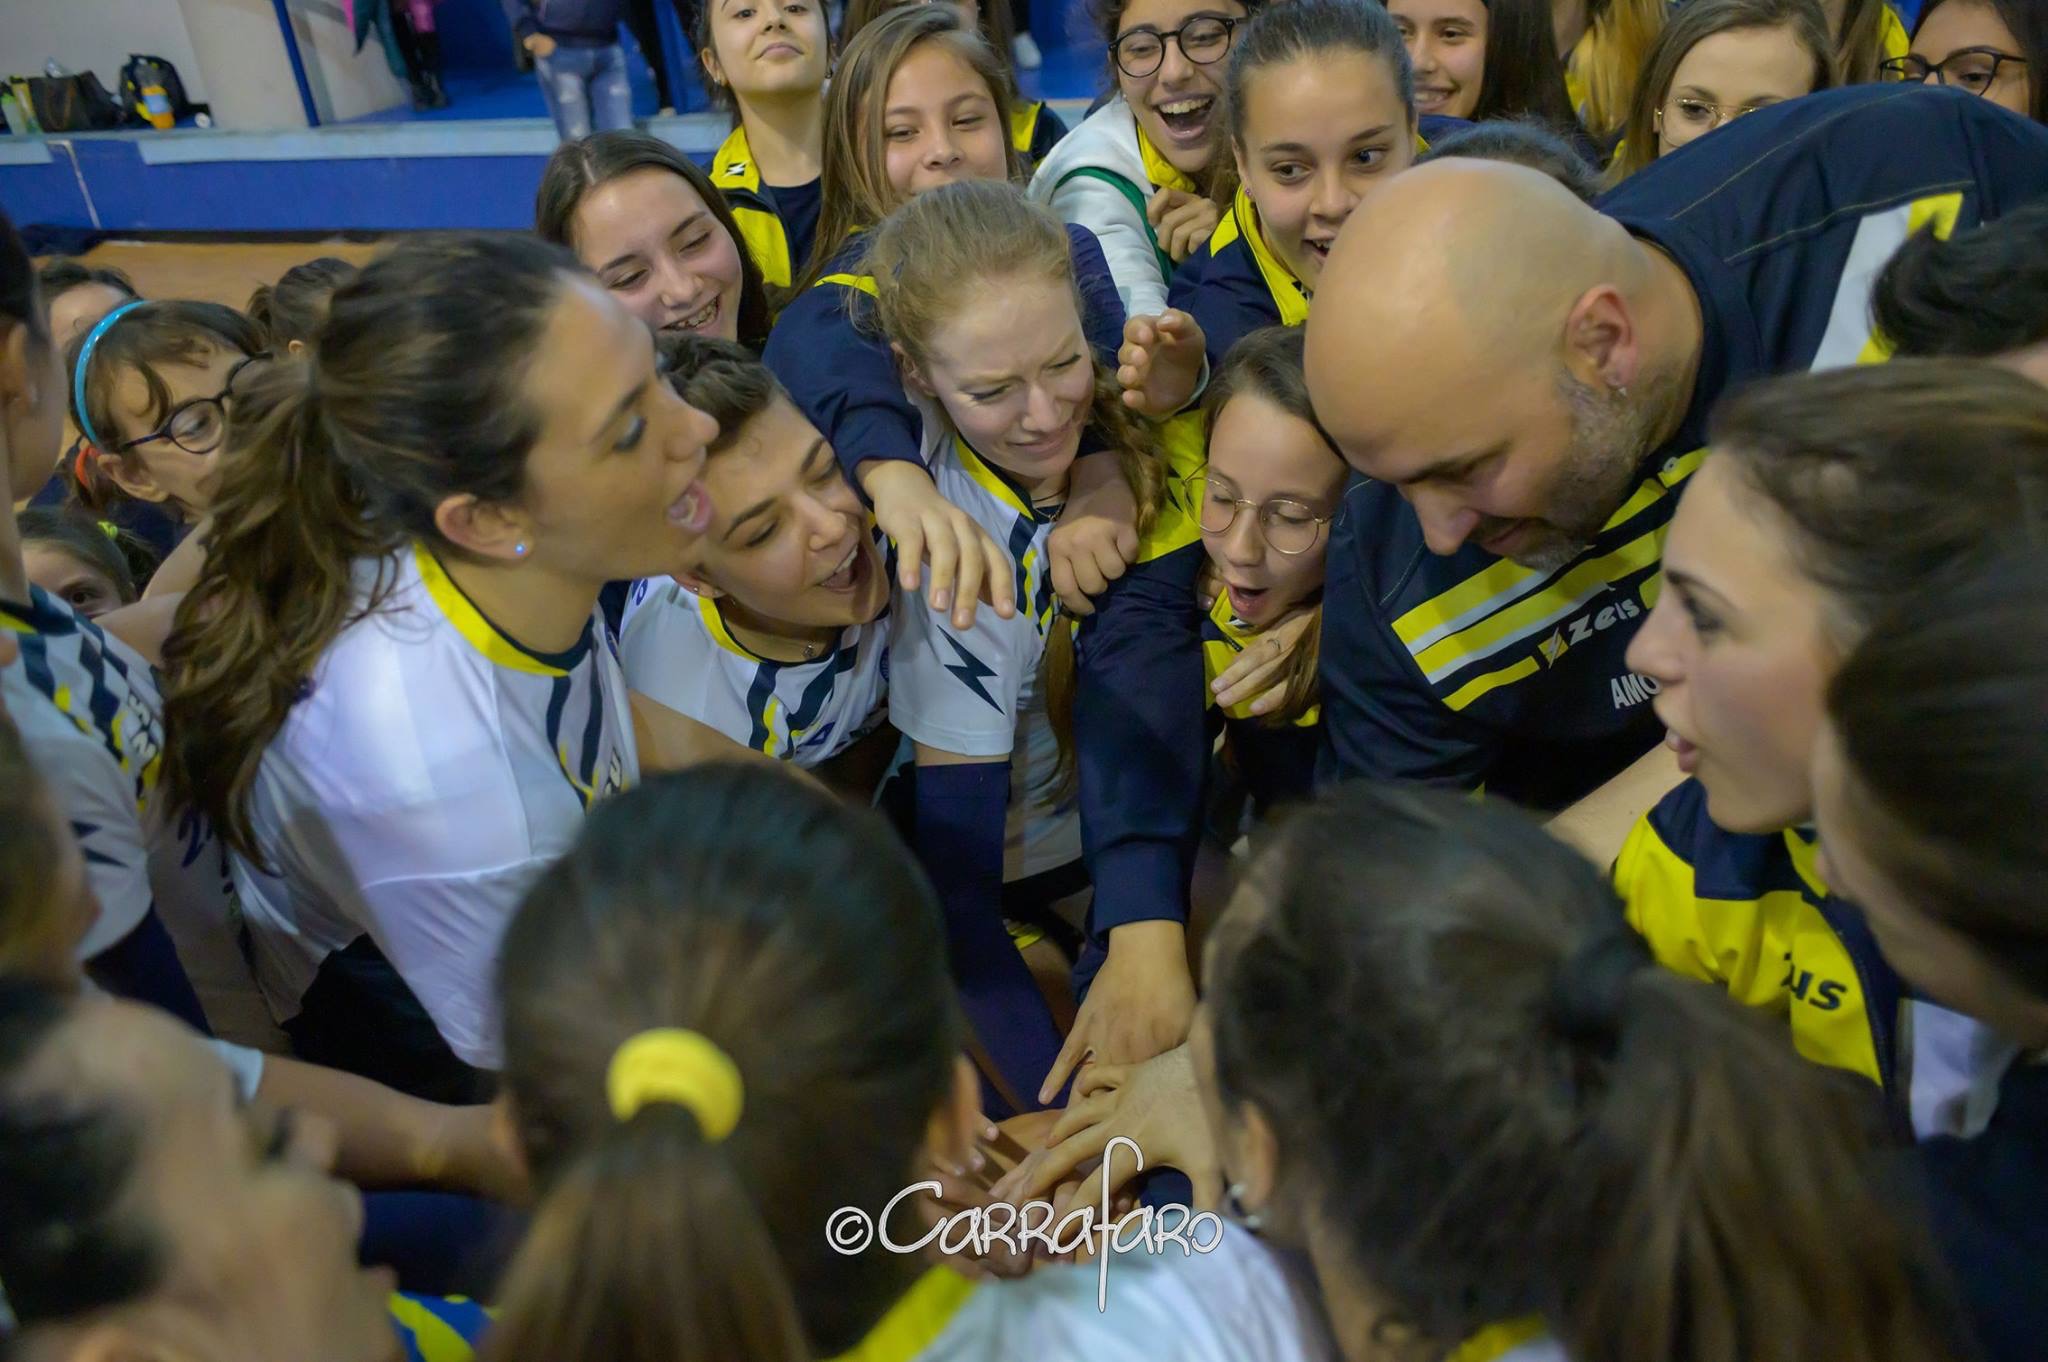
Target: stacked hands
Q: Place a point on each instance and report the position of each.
(1058, 1157)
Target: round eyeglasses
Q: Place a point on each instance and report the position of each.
(1289, 526)
(198, 424)
(1203, 40)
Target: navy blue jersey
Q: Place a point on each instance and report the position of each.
(1984, 1199)
(1471, 670)
(1234, 285)
(837, 367)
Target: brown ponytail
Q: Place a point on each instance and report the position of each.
(1491, 1101)
(681, 907)
(1727, 1205)
(647, 1248)
(411, 394)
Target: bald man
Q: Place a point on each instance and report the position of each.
(1524, 381)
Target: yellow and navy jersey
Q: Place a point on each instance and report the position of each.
(979, 692)
(1275, 760)
(431, 768)
(1233, 284)
(678, 652)
(1471, 670)
(438, 1328)
(1035, 129)
(1224, 636)
(91, 719)
(829, 353)
(778, 222)
(1750, 913)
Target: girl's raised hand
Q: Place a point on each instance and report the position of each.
(1159, 366)
(966, 564)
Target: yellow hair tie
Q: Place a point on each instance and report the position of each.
(687, 1068)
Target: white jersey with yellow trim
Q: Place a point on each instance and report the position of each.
(91, 719)
(978, 692)
(1237, 1302)
(678, 652)
(432, 768)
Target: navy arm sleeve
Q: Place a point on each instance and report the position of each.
(843, 378)
(1141, 741)
(1381, 720)
(960, 816)
(1102, 307)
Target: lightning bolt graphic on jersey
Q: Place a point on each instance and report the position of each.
(971, 670)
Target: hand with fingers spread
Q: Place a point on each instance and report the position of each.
(966, 565)
(1140, 1005)
(1156, 1104)
(1160, 363)
(1182, 221)
(965, 1188)
(1097, 536)
(1259, 673)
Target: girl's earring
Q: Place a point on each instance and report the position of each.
(519, 549)
(1233, 1202)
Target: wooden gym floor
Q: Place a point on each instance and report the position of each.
(217, 272)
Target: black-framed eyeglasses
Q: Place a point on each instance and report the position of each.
(1203, 40)
(1289, 526)
(1969, 68)
(198, 424)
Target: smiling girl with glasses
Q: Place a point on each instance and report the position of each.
(1136, 171)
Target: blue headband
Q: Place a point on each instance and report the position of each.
(92, 339)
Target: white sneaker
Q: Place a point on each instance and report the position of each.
(1024, 48)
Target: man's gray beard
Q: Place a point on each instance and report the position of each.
(1610, 436)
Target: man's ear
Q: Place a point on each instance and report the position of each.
(487, 529)
(1602, 345)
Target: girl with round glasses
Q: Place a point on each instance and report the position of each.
(1992, 48)
(150, 387)
(1135, 171)
(1266, 501)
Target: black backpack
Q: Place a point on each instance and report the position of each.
(144, 71)
(73, 104)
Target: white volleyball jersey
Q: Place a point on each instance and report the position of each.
(431, 770)
(978, 692)
(1236, 1303)
(91, 719)
(678, 652)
